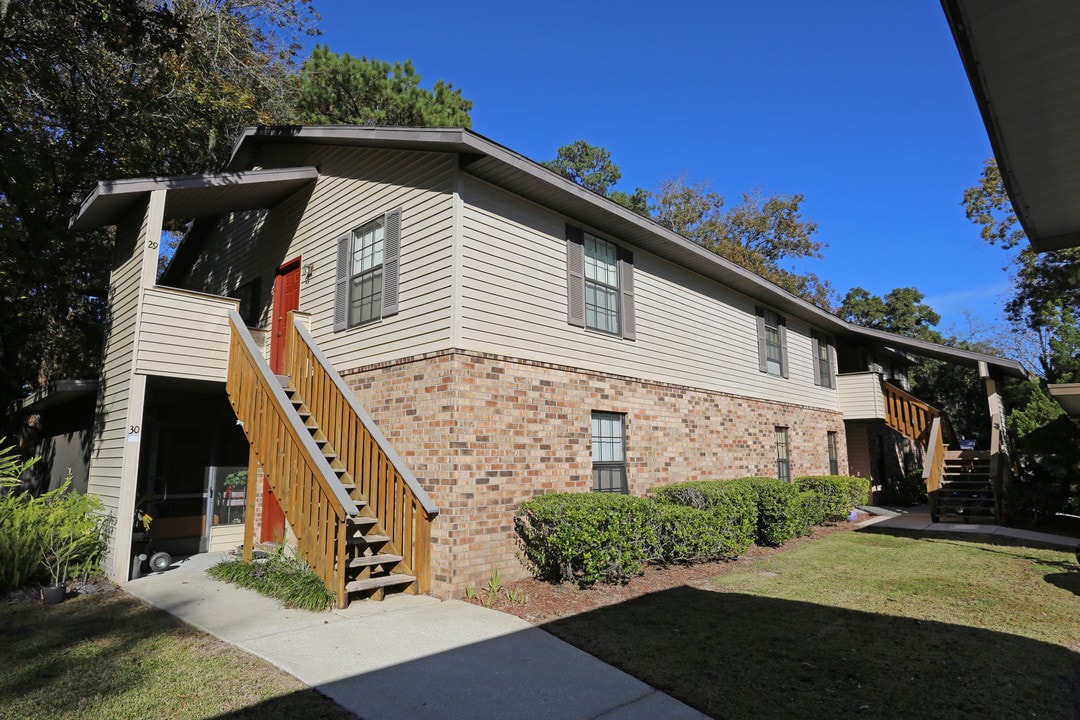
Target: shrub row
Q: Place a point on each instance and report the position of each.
(587, 538)
(840, 493)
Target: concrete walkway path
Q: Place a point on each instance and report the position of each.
(917, 520)
(411, 657)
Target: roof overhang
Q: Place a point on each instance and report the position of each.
(1023, 62)
(1068, 396)
(57, 394)
(193, 195)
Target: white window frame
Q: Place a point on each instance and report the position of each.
(772, 342)
(824, 363)
(602, 281)
(366, 267)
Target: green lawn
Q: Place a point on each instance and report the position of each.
(108, 655)
(859, 625)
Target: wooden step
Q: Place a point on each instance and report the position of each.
(378, 583)
(371, 560)
(368, 540)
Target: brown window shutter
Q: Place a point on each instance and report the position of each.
(627, 320)
(575, 276)
(815, 345)
(783, 348)
(341, 285)
(391, 262)
(762, 355)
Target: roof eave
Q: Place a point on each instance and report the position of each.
(112, 199)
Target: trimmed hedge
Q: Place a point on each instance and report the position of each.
(810, 510)
(689, 535)
(841, 493)
(777, 510)
(732, 506)
(600, 537)
(588, 537)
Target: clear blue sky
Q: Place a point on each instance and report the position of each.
(863, 107)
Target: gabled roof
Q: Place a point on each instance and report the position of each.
(504, 168)
(1023, 61)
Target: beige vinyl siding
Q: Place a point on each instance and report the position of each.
(111, 433)
(242, 248)
(115, 457)
(184, 335)
(861, 397)
(690, 331)
(858, 444)
(355, 185)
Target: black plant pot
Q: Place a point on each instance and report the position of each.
(53, 594)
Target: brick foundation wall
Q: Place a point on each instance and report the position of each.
(483, 433)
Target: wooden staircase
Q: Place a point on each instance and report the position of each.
(966, 490)
(963, 485)
(360, 518)
(371, 562)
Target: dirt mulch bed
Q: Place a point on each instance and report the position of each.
(538, 602)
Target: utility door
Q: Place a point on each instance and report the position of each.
(286, 299)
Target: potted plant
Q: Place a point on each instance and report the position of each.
(74, 538)
(58, 551)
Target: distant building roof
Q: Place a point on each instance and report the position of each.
(1069, 396)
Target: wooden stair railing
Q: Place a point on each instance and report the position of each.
(962, 485)
(316, 505)
(934, 466)
(910, 416)
(377, 478)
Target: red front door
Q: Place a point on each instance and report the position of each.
(286, 299)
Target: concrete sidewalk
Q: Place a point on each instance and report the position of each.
(411, 657)
(917, 520)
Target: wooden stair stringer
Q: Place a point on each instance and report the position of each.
(368, 536)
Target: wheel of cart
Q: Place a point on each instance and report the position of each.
(142, 542)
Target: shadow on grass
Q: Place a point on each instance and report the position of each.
(110, 655)
(740, 656)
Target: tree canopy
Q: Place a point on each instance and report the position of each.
(95, 90)
(760, 234)
(592, 168)
(1045, 297)
(341, 89)
(901, 311)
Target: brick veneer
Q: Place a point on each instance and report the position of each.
(483, 433)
